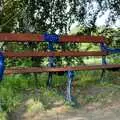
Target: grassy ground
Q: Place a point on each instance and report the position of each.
(20, 98)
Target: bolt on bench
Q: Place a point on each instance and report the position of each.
(51, 54)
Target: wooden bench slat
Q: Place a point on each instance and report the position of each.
(20, 70)
(29, 37)
(51, 53)
(20, 37)
(82, 39)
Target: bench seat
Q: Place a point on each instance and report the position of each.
(21, 70)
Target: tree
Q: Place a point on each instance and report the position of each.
(11, 9)
(54, 15)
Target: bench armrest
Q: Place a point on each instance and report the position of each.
(104, 47)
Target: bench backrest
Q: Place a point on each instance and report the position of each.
(7, 37)
(28, 37)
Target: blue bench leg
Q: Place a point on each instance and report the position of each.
(49, 81)
(69, 85)
(68, 97)
(2, 66)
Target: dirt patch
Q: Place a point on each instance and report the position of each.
(89, 112)
(97, 110)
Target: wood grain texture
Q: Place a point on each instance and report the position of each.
(20, 70)
(29, 37)
(21, 37)
(82, 39)
(56, 54)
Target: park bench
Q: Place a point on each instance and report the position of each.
(60, 40)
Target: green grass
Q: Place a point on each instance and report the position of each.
(14, 89)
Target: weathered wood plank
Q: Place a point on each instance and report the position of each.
(57, 54)
(82, 39)
(20, 70)
(20, 37)
(29, 37)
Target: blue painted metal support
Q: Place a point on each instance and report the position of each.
(2, 65)
(109, 50)
(49, 81)
(70, 76)
(104, 61)
(51, 39)
(51, 64)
